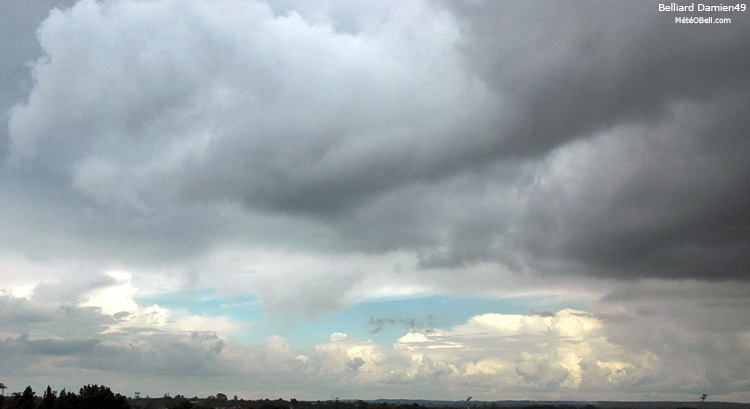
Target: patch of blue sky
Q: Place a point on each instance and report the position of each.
(208, 302)
(382, 321)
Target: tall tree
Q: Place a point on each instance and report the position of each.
(27, 399)
(49, 398)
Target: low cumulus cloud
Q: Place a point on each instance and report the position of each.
(645, 344)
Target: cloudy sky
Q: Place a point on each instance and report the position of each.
(387, 199)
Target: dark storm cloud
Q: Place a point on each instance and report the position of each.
(669, 200)
(574, 71)
(572, 68)
(673, 202)
(552, 138)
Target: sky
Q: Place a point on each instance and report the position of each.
(389, 199)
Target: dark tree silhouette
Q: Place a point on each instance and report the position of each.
(181, 403)
(67, 400)
(101, 397)
(27, 400)
(49, 398)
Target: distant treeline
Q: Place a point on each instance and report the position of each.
(89, 397)
(220, 401)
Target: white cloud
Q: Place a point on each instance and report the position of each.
(116, 298)
(537, 370)
(547, 352)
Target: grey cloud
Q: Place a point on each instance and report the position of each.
(343, 16)
(651, 200)
(431, 370)
(537, 369)
(71, 291)
(543, 313)
(189, 355)
(42, 320)
(53, 346)
(38, 336)
(63, 338)
(680, 214)
(687, 325)
(410, 324)
(671, 311)
(121, 315)
(681, 210)
(18, 45)
(330, 141)
(572, 69)
(262, 145)
(669, 200)
(20, 311)
(355, 363)
(593, 375)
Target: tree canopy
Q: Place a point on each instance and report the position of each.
(89, 397)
